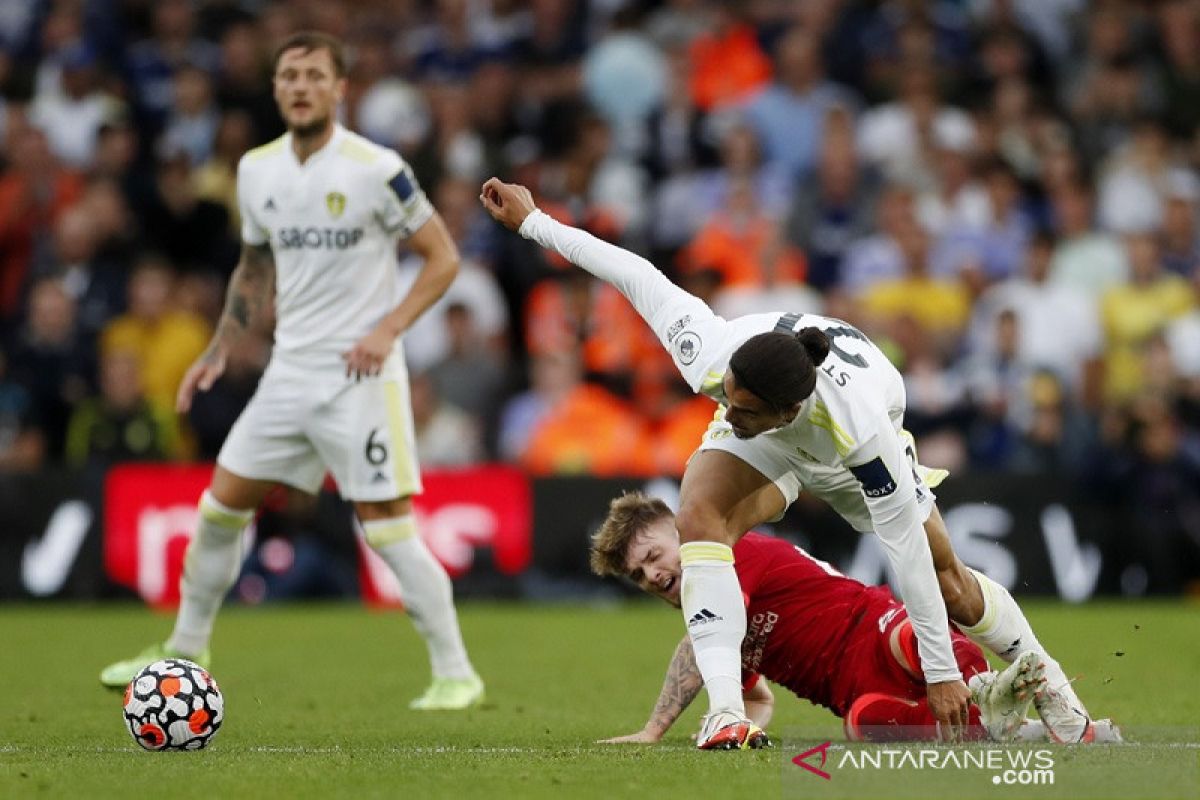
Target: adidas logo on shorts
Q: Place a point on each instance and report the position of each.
(703, 617)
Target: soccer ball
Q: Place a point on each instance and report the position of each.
(173, 704)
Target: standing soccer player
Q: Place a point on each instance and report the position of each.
(794, 418)
(323, 210)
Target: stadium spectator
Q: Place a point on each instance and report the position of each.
(471, 374)
(1084, 258)
(939, 306)
(1136, 181)
(565, 426)
(896, 137)
(1178, 26)
(744, 243)
(151, 64)
(447, 436)
(243, 78)
(22, 442)
(993, 250)
(789, 114)
(624, 79)
(215, 180)
(72, 113)
(165, 340)
(835, 209)
(878, 256)
(120, 423)
(727, 62)
(35, 191)
(1179, 237)
(1136, 311)
(96, 284)
(51, 359)
(1058, 325)
(450, 48)
(193, 233)
(679, 135)
(192, 120)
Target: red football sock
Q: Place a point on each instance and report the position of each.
(877, 717)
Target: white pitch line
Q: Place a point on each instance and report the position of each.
(465, 750)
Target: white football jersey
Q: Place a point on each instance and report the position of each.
(333, 224)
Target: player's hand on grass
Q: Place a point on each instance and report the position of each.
(369, 353)
(508, 203)
(200, 377)
(641, 737)
(949, 702)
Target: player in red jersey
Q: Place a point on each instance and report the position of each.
(827, 638)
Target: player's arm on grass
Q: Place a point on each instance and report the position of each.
(885, 477)
(246, 300)
(433, 244)
(681, 686)
(760, 703)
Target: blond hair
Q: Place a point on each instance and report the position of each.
(628, 516)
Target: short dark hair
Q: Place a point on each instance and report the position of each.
(307, 41)
(778, 367)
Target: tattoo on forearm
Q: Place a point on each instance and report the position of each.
(681, 686)
(249, 291)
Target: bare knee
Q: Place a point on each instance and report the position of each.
(236, 491)
(368, 510)
(698, 522)
(960, 592)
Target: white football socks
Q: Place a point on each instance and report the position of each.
(715, 616)
(1004, 630)
(212, 564)
(426, 591)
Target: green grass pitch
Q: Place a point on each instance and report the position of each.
(316, 702)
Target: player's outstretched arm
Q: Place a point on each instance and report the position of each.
(681, 686)
(665, 307)
(635, 277)
(249, 293)
(435, 247)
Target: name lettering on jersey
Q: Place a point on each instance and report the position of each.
(839, 377)
(319, 238)
(758, 631)
(687, 347)
(874, 478)
(676, 327)
(336, 203)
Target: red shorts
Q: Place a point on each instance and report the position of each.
(882, 657)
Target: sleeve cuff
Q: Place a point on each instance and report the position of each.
(530, 223)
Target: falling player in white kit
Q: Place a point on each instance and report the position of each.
(791, 418)
(323, 210)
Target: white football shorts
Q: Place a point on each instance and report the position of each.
(792, 473)
(298, 425)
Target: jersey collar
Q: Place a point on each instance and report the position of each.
(328, 147)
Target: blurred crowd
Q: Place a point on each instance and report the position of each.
(1003, 193)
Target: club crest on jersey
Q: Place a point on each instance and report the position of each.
(688, 347)
(336, 203)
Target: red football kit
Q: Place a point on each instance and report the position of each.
(829, 639)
